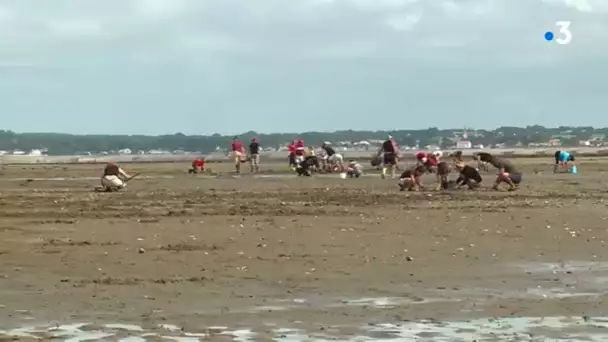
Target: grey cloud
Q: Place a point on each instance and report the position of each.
(326, 59)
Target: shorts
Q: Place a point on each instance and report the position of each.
(237, 156)
(113, 182)
(389, 159)
(254, 159)
(515, 177)
(336, 158)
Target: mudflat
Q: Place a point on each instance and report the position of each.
(276, 257)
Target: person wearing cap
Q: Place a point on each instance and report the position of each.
(469, 176)
(429, 160)
(114, 177)
(390, 155)
(237, 153)
(254, 155)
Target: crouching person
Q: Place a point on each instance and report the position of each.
(198, 166)
(469, 176)
(410, 178)
(307, 165)
(507, 173)
(114, 177)
(354, 169)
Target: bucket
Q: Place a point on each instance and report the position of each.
(343, 175)
(573, 169)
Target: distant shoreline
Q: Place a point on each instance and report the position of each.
(278, 156)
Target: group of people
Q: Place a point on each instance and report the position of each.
(304, 161)
(468, 176)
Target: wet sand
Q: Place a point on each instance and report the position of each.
(278, 258)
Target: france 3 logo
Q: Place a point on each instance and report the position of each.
(563, 36)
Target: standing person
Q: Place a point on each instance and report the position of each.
(562, 159)
(390, 154)
(291, 150)
(300, 151)
(254, 155)
(114, 177)
(442, 172)
(334, 159)
(237, 153)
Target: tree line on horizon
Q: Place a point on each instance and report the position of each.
(58, 143)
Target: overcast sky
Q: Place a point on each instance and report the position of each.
(229, 66)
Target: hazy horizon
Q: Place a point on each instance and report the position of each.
(468, 129)
(201, 67)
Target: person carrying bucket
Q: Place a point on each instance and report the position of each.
(390, 154)
(564, 162)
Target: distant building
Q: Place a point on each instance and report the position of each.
(464, 142)
(460, 144)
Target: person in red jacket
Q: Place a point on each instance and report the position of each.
(291, 150)
(429, 160)
(198, 165)
(300, 151)
(237, 153)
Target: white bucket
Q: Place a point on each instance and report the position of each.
(343, 175)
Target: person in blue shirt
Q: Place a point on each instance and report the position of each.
(562, 159)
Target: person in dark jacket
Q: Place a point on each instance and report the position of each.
(305, 167)
(254, 155)
(390, 155)
(469, 176)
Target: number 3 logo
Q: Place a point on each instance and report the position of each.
(564, 30)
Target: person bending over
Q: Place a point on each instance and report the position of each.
(114, 177)
(562, 160)
(507, 173)
(354, 169)
(305, 167)
(469, 176)
(410, 178)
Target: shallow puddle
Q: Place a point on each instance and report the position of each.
(497, 330)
